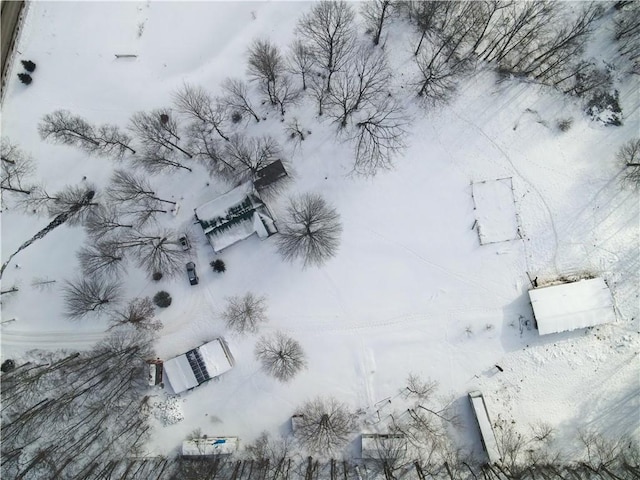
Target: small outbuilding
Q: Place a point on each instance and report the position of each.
(383, 446)
(269, 175)
(210, 446)
(569, 306)
(487, 435)
(155, 372)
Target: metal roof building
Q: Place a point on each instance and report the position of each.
(569, 306)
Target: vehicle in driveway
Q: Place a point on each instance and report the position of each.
(191, 273)
(199, 365)
(184, 242)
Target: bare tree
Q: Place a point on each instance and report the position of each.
(236, 97)
(157, 130)
(17, 166)
(551, 58)
(142, 212)
(158, 251)
(61, 126)
(300, 61)
(128, 187)
(418, 388)
(275, 453)
(244, 314)
(113, 141)
(364, 80)
(329, 33)
(318, 91)
(266, 66)
(75, 202)
(286, 93)
(629, 158)
(296, 132)
(198, 104)
(627, 33)
(90, 294)
(378, 136)
(423, 15)
(324, 425)
(446, 56)
(71, 206)
(208, 150)
(310, 231)
(391, 454)
(375, 13)
(517, 27)
(281, 356)
(246, 155)
(104, 258)
(511, 445)
(104, 220)
(156, 159)
(138, 313)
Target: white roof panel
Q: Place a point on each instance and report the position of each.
(214, 358)
(486, 429)
(180, 374)
(229, 236)
(569, 306)
(218, 206)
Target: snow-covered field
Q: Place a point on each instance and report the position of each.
(411, 289)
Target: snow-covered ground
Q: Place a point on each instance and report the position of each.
(411, 289)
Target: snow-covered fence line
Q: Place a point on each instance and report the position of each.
(494, 206)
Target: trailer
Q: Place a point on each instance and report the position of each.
(487, 435)
(210, 446)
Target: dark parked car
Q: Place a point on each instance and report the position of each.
(191, 273)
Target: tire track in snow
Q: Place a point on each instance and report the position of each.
(329, 324)
(459, 276)
(50, 339)
(367, 366)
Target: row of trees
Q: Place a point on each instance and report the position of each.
(69, 416)
(77, 416)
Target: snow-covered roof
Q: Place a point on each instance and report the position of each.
(198, 365)
(219, 206)
(239, 231)
(210, 446)
(569, 306)
(180, 374)
(215, 358)
(486, 430)
(234, 216)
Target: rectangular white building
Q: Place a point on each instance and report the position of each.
(195, 367)
(569, 306)
(210, 446)
(487, 436)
